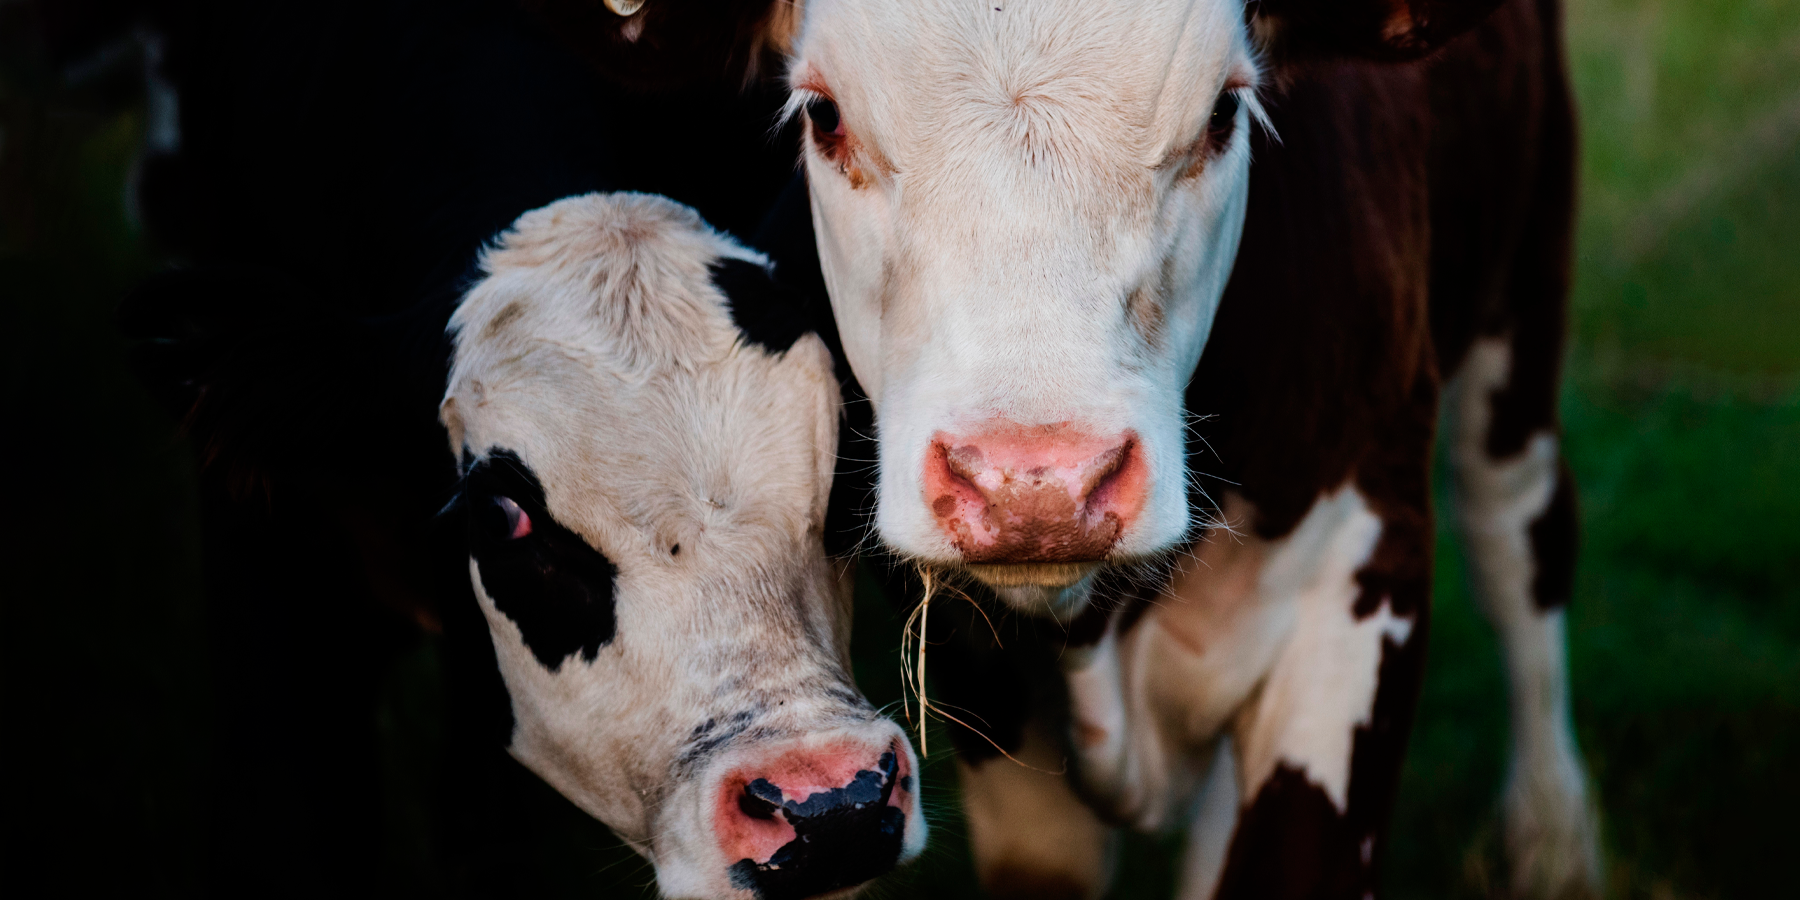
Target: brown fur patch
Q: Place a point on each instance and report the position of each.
(1375, 29)
(1146, 307)
(501, 320)
(1320, 346)
(1555, 539)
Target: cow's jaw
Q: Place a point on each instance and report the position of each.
(1025, 236)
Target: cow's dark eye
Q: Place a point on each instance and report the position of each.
(505, 518)
(1224, 119)
(824, 116)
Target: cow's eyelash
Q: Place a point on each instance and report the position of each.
(1259, 118)
(796, 103)
(1250, 99)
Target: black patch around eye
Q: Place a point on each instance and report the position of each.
(552, 583)
(769, 315)
(824, 115)
(1224, 120)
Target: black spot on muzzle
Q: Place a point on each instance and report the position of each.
(842, 837)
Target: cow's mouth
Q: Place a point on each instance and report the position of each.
(1056, 589)
(1041, 575)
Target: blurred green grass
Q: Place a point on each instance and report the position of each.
(1682, 407)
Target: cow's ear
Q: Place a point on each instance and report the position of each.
(1376, 29)
(668, 44)
(453, 423)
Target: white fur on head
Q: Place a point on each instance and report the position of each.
(1022, 224)
(598, 350)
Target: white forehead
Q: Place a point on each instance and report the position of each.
(927, 79)
(599, 350)
(621, 277)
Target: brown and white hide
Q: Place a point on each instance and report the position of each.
(1033, 218)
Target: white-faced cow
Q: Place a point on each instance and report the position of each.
(1027, 214)
(645, 485)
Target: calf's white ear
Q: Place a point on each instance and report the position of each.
(453, 423)
(624, 7)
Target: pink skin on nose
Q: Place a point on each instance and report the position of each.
(799, 775)
(1035, 494)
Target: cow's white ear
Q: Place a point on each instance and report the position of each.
(624, 7)
(453, 423)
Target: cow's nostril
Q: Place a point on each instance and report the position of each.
(760, 800)
(965, 463)
(1101, 476)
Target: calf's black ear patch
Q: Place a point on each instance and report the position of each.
(770, 315)
(549, 581)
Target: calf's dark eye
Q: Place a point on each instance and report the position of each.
(504, 518)
(824, 116)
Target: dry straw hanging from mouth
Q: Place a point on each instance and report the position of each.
(914, 677)
(909, 644)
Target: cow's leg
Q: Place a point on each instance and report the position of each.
(1031, 836)
(1516, 515)
(1319, 745)
(1210, 829)
(1514, 504)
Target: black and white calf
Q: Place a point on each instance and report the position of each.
(647, 432)
(645, 488)
(340, 167)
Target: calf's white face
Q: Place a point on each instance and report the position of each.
(645, 491)
(1026, 213)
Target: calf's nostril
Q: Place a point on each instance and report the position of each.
(760, 800)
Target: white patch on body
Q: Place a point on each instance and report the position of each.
(1322, 687)
(1251, 658)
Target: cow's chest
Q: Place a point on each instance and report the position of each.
(1254, 638)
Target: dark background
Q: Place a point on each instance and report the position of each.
(1682, 404)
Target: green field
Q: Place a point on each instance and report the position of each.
(1682, 407)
